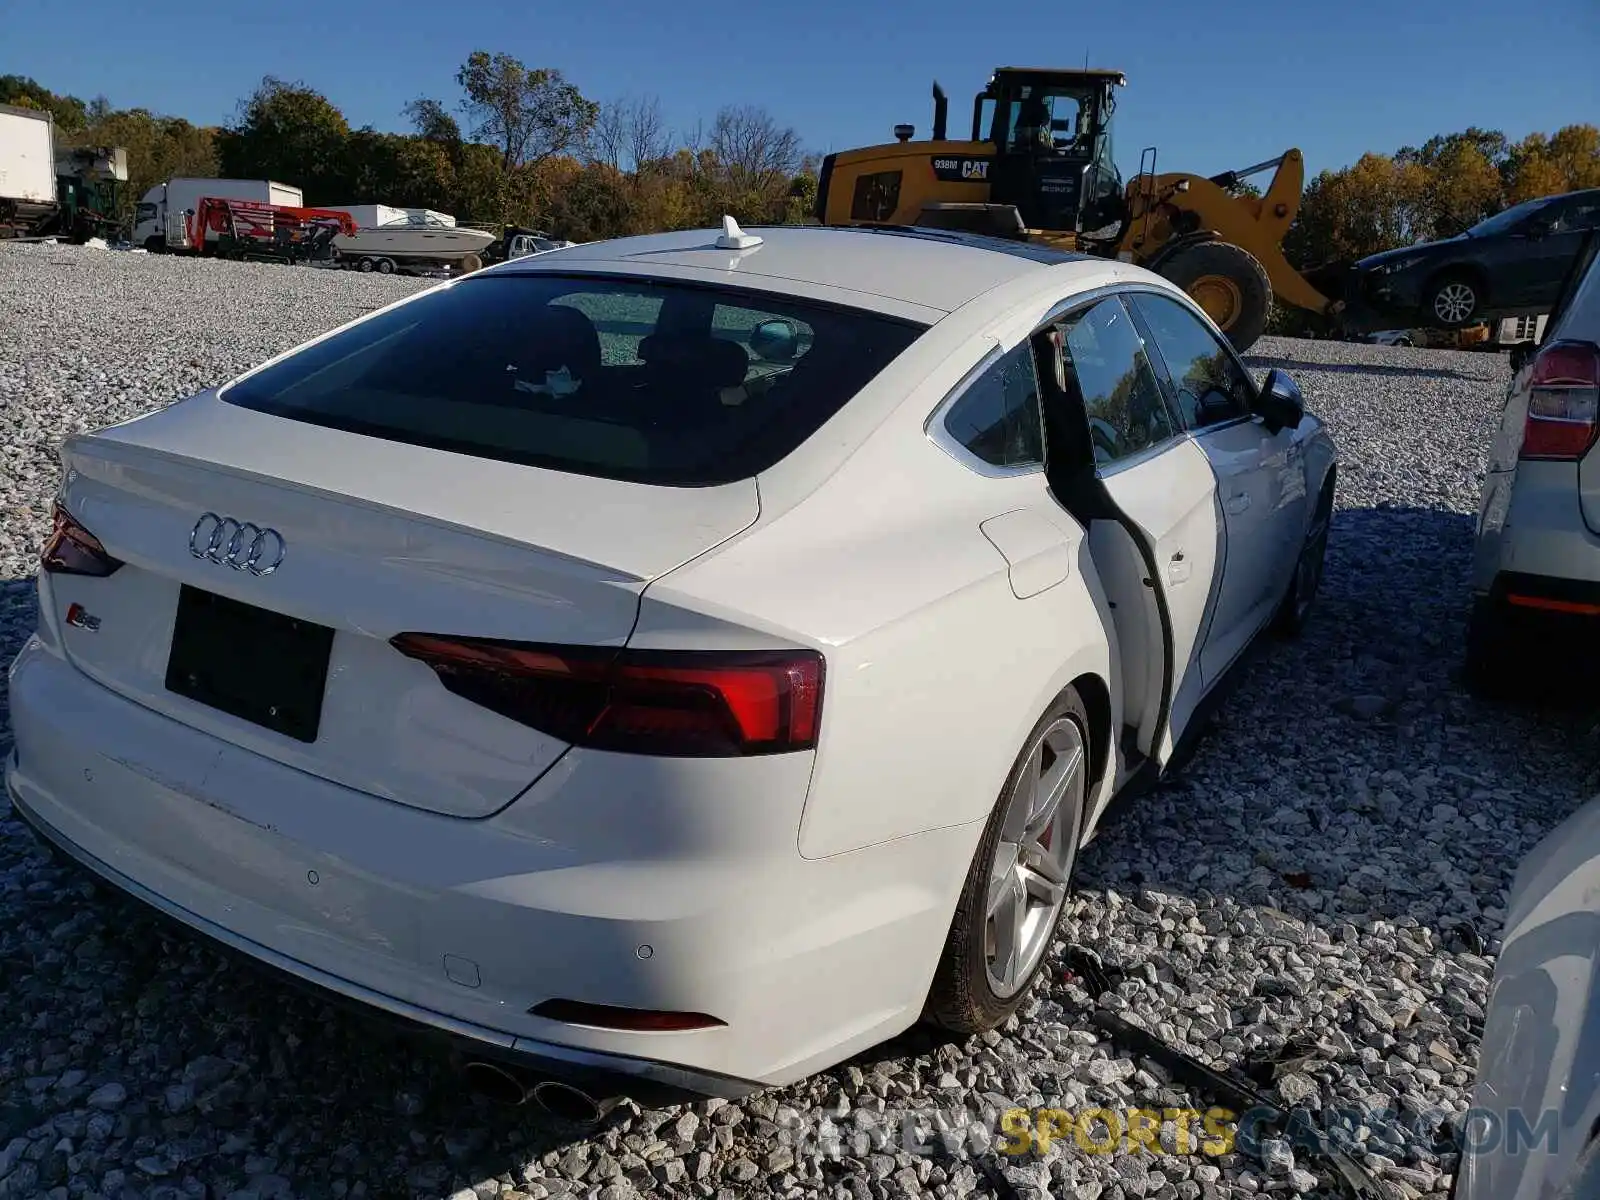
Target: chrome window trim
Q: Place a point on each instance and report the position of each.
(939, 434)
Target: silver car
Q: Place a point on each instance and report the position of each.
(1530, 1133)
(1536, 568)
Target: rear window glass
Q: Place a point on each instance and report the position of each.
(630, 379)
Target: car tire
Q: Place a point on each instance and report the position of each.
(1490, 666)
(1293, 613)
(1453, 300)
(977, 984)
(1229, 283)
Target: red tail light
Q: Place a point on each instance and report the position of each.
(691, 703)
(1563, 401)
(73, 550)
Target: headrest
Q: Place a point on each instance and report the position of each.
(712, 361)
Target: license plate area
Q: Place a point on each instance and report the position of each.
(261, 666)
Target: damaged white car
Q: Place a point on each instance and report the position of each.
(671, 663)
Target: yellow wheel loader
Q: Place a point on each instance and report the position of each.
(1039, 167)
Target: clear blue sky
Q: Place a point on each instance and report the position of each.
(1215, 85)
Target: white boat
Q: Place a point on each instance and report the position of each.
(419, 239)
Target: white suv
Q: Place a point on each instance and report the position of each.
(1536, 568)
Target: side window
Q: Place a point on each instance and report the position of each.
(1581, 212)
(1212, 387)
(1104, 355)
(997, 417)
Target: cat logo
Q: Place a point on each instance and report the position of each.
(961, 170)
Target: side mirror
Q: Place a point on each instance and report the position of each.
(1280, 404)
(776, 340)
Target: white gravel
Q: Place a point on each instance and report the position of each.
(1314, 886)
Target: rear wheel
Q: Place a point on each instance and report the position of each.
(1492, 665)
(1019, 881)
(1227, 282)
(385, 267)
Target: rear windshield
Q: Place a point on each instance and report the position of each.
(630, 379)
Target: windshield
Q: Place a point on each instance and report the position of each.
(1048, 119)
(634, 379)
(1503, 222)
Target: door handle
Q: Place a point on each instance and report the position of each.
(1237, 503)
(1178, 568)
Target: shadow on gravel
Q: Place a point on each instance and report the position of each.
(1350, 777)
(1264, 362)
(18, 614)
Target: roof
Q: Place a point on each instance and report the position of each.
(932, 269)
(1080, 72)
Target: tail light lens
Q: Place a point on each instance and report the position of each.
(73, 550)
(1563, 401)
(693, 703)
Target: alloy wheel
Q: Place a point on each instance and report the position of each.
(1034, 857)
(1454, 302)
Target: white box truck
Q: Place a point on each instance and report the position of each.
(27, 168)
(165, 207)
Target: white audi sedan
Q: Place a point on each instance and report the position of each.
(671, 664)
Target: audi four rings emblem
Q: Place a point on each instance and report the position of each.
(236, 544)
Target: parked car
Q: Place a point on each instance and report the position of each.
(1507, 266)
(688, 659)
(1536, 561)
(1531, 1128)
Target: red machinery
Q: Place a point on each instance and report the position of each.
(250, 229)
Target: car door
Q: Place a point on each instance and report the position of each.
(1555, 243)
(1118, 461)
(1261, 492)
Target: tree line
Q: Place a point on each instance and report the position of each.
(519, 146)
(523, 145)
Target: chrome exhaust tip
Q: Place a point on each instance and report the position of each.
(495, 1084)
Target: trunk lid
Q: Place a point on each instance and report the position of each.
(378, 538)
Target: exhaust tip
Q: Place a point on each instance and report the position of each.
(567, 1102)
(495, 1084)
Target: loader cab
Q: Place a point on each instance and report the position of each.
(1051, 130)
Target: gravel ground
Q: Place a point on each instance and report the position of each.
(1320, 887)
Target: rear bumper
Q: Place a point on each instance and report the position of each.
(601, 1074)
(617, 880)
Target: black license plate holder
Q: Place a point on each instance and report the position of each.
(261, 666)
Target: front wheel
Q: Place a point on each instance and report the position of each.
(1295, 610)
(1018, 883)
(1453, 300)
(1229, 284)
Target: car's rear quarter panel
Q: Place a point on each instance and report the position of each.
(935, 669)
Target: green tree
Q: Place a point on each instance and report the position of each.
(71, 114)
(291, 133)
(529, 114)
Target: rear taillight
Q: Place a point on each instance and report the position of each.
(73, 550)
(688, 703)
(1563, 401)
